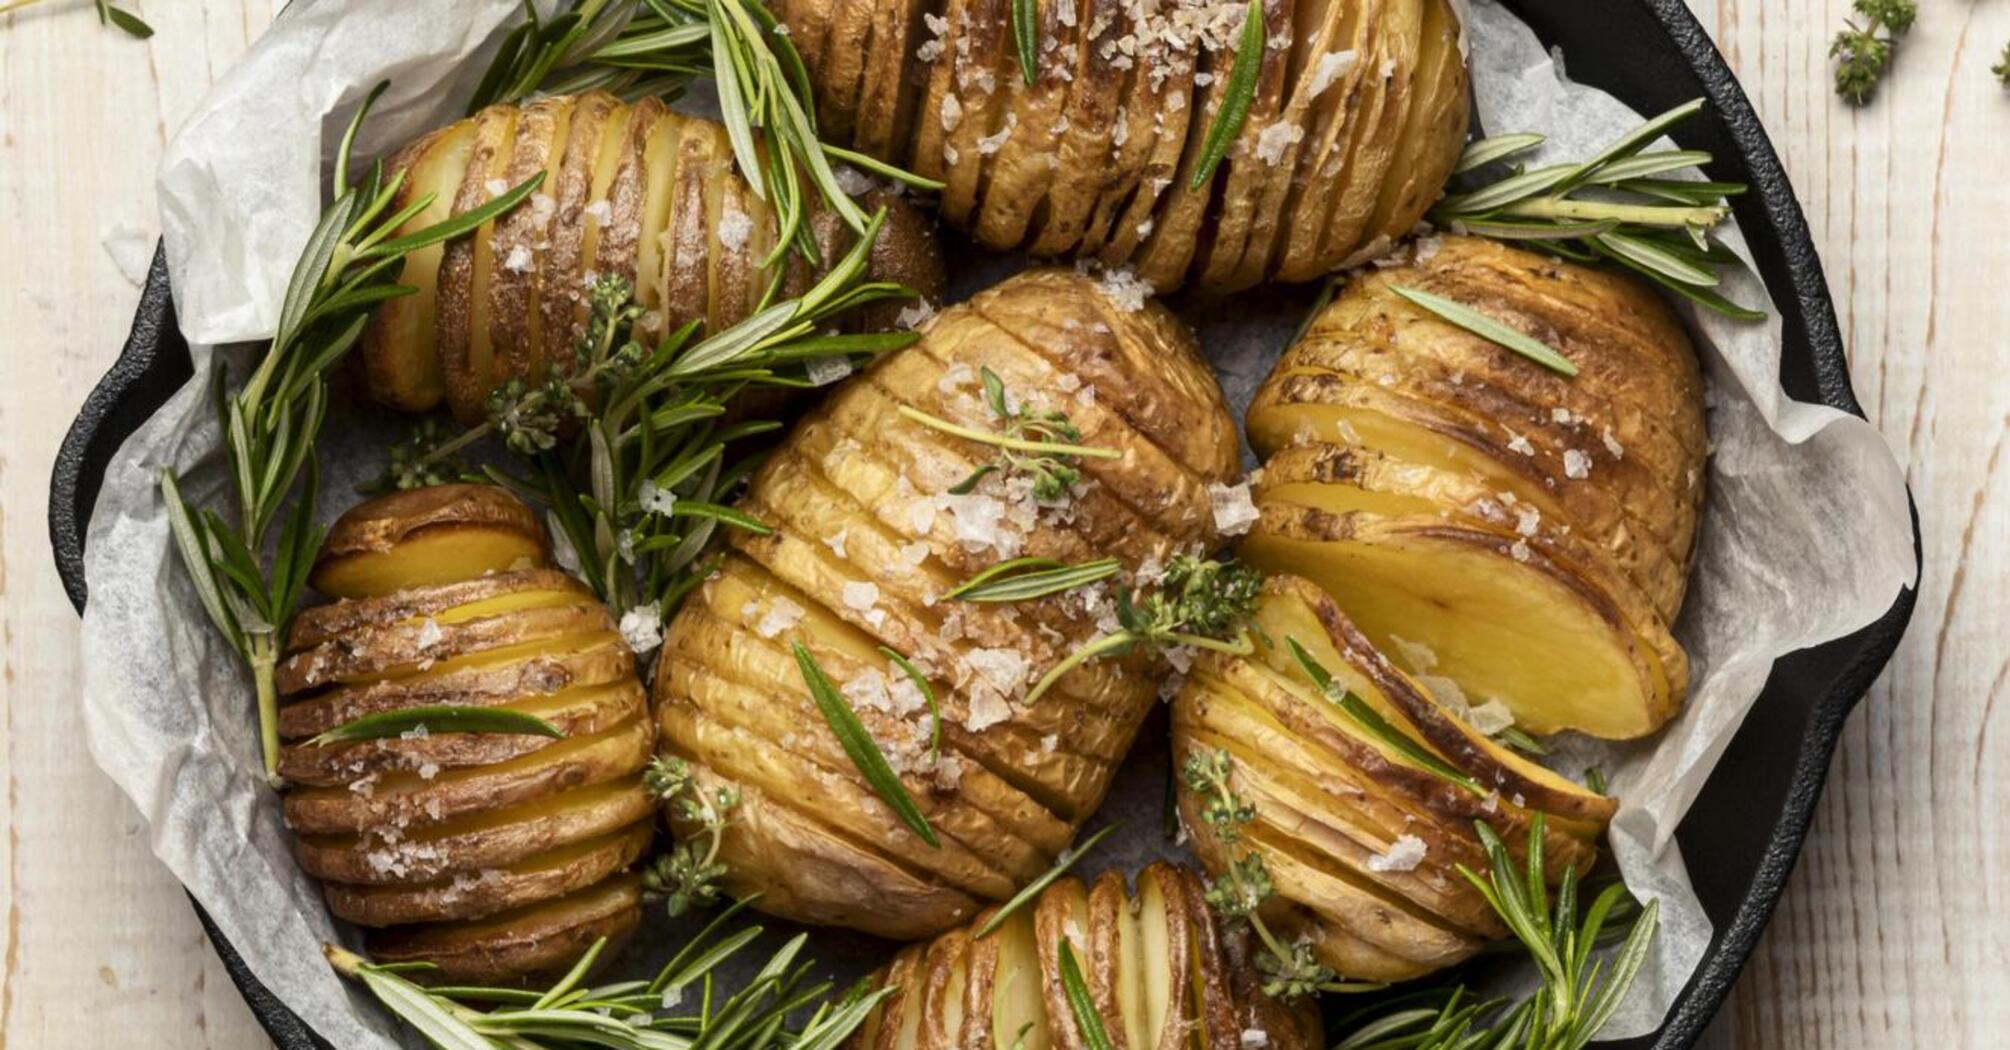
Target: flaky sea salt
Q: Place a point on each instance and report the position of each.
(823, 371)
(1330, 68)
(1612, 444)
(1275, 139)
(914, 315)
(1576, 464)
(1125, 288)
(734, 229)
(1234, 510)
(601, 212)
(642, 628)
(859, 595)
(1402, 855)
(1491, 717)
(781, 615)
(519, 259)
(429, 634)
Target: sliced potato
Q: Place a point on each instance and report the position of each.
(529, 946)
(440, 534)
(476, 896)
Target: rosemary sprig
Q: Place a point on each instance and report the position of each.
(1521, 741)
(1579, 994)
(350, 264)
(1237, 97)
(627, 451)
(444, 718)
(920, 681)
(656, 47)
(688, 875)
(1865, 48)
(1613, 207)
(1026, 32)
(1088, 1021)
(1038, 443)
(1489, 329)
(1038, 886)
(1202, 603)
(1371, 722)
(1290, 971)
(1024, 579)
(629, 1015)
(859, 746)
(2002, 67)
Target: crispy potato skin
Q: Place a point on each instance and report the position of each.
(499, 856)
(868, 537)
(637, 191)
(1392, 437)
(965, 992)
(1330, 800)
(1095, 158)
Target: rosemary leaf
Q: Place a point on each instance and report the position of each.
(438, 719)
(1088, 1022)
(1376, 726)
(125, 20)
(1489, 329)
(1026, 30)
(1237, 97)
(1025, 579)
(1480, 153)
(1033, 889)
(920, 681)
(859, 745)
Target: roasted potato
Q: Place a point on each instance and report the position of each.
(634, 190)
(1523, 533)
(1161, 973)
(870, 533)
(498, 856)
(1358, 115)
(1361, 840)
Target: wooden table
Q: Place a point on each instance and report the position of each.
(1896, 929)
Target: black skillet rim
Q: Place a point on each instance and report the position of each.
(154, 363)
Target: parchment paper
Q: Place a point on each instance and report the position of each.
(168, 711)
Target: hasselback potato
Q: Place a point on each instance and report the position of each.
(499, 856)
(1358, 113)
(1360, 839)
(1524, 534)
(874, 523)
(1161, 974)
(634, 190)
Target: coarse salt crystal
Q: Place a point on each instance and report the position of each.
(823, 371)
(1275, 139)
(951, 113)
(601, 212)
(781, 615)
(1576, 464)
(1402, 855)
(1234, 510)
(1521, 444)
(1612, 444)
(735, 229)
(496, 187)
(642, 628)
(859, 595)
(1331, 67)
(429, 634)
(519, 259)
(1254, 1039)
(914, 315)
(1527, 520)
(1125, 288)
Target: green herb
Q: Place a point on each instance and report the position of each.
(658, 47)
(1026, 30)
(1594, 778)
(1579, 994)
(1038, 443)
(1024, 579)
(627, 448)
(1489, 329)
(1291, 971)
(108, 14)
(859, 745)
(1613, 207)
(1521, 741)
(688, 875)
(920, 681)
(350, 264)
(1038, 886)
(1088, 1021)
(1864, 48)
(628, 1015)
(2002, 66)
(438, 719)
(1371, 722)
(1202, 603)
(1236, 98)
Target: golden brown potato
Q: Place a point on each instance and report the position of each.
(1362, 840)
(868, 537)
(1526, 534)
(1160, 973)
(1359, 113)
(498, 856)
(634, 190)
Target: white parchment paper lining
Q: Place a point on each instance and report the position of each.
(1807, 536)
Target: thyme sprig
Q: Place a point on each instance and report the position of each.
(1041, 444)
(688, 875)
(634, 1014)
(1237, 97)
(1579, 993)
(1620, 206)
(1199, 602)
(1864, 48)
(1292, 970)
(637, 48)
(628, 450)
(350, 264)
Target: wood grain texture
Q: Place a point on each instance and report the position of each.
(1895, 931)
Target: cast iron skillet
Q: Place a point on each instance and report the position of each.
(1746, 827)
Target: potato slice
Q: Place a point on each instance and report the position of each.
(369, 548)
(1433, 133)
(514, 331)
(1018, 1013)
(1020, 169)
(561, 272)
(1347, 237)
(473, 843)
(1062, 914)
(454, 602)
(528, 946)
(1248, 169)
(1086, 124)
(562, 871)
(401, 361)
(373, 654)
(461, 318)
(484, 681)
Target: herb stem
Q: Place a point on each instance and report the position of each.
(1660, 216)
(1048, 448)
(264, 659)
(1107, 643)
